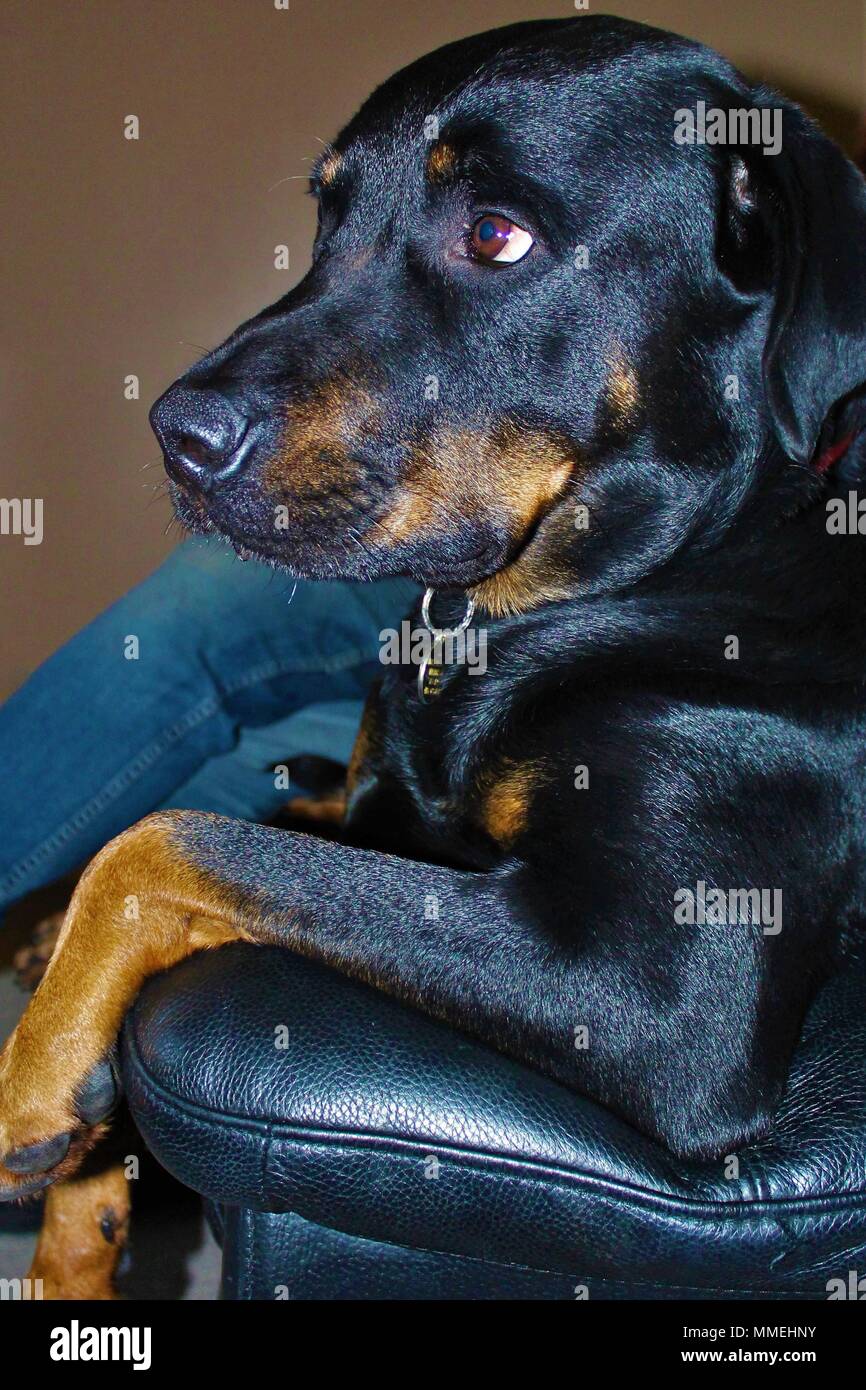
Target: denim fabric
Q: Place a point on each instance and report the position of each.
(98, 736)
(242, 782)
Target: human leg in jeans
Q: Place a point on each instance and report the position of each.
(155, 702)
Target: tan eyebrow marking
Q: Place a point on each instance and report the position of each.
(441, 162)
(328, 166)
(622, 391)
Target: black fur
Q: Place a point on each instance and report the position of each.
(708, 519)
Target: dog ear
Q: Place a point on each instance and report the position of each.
(812, 201)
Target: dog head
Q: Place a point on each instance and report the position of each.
(547, 340)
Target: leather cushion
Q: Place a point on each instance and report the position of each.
(374, 1120)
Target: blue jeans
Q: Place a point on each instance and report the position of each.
(184, 693)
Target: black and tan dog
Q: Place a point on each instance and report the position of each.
(604, 383)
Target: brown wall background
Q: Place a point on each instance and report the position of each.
(133, 256)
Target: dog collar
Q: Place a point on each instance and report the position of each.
(832, 455)
(430, 670)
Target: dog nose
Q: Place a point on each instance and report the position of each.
(201, 433)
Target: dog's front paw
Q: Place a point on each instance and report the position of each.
(48, 1121)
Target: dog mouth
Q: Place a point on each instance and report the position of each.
(333, 547)
(333, 487)
(304, 556)
(453, 510)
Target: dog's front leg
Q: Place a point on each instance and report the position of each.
(181, 881)
(140, 906)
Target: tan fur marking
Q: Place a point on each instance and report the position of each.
(314, 453)
(138, 908)
(73, 1258)
(360, 751)
(541, 573)
(329, 167)
(622, 393)
(413, 512)
(365, 746)
(505, 804)
(513, 473)
(330, 809)
(520, 587)
(441, 162)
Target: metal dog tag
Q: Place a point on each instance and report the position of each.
(431, 668)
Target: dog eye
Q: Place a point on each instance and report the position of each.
(498, 239)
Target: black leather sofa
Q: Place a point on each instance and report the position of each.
(350, 1148)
